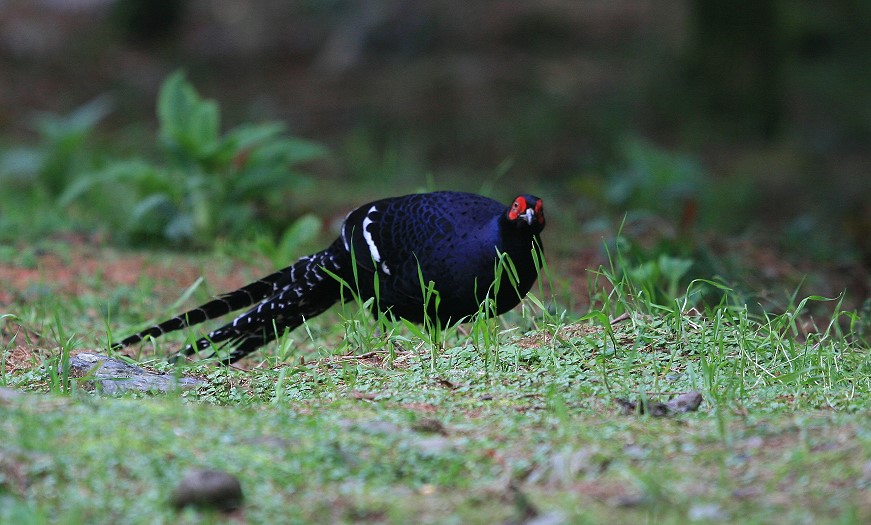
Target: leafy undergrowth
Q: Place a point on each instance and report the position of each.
(344, 421)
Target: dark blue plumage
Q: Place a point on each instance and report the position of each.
(451, 239)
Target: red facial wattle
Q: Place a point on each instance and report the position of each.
(520, 210)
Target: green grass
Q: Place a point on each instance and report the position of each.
(514, 419)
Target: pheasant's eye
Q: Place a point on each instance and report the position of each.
(518, 207)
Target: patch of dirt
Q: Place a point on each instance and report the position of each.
(80, 267)
(19, 358)
(545, 338)
(20, 343)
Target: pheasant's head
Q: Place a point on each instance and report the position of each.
(527, 211)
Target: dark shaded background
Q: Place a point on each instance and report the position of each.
(767, 103)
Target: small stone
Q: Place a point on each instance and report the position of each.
(429, 425)
(208, 488)
(686, 402)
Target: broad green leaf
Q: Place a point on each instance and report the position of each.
(80, 122)
(646, 273)
(264, 179)
(180, 228)
(118, 172)
(673, 268)
(156, 203)
(173, 102)
(246, 136)
(189, 125)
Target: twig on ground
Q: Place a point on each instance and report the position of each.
(619, 318)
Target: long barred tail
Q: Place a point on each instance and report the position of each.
(286, 298)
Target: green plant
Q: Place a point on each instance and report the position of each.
(643, 276)
(654, 180)
(211, 184)
(61, 153)
(34, 176)
(660, 278)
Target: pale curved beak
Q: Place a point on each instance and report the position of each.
(528, 216)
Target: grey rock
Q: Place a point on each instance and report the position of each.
(429, 425)
(208, 488)
(686, 402)
(113, 377)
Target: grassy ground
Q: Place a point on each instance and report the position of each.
(515, 422)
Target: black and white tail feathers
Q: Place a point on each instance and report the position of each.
(284, 300)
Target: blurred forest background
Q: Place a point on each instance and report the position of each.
(732, 135)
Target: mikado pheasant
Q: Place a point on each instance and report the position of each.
(456, 243)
